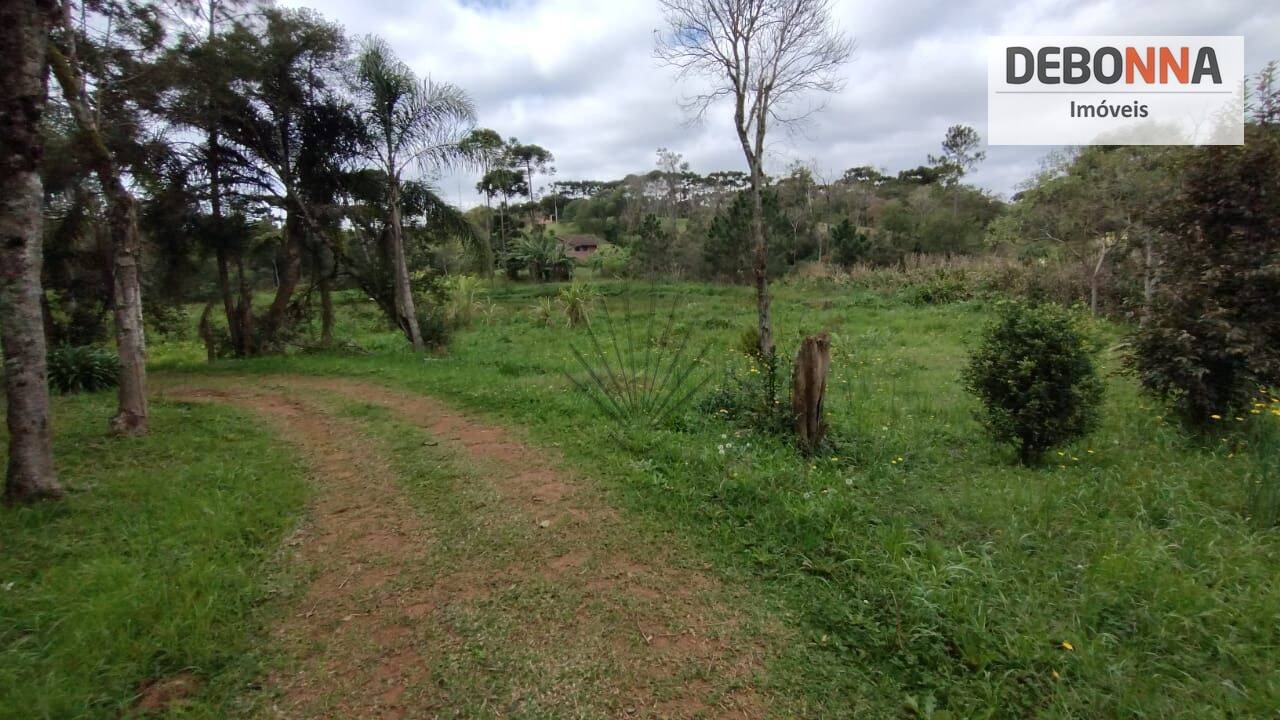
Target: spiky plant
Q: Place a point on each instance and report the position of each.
(639, 375)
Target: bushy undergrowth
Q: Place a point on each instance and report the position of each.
(750, 395)
(465, 300)
(434, 325)
(939, 280)
(944, 289)
(1034, 374)
(1262, 479)
(86, 368)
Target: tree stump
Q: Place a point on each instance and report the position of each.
(809, 388)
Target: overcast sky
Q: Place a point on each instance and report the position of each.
(579, 78)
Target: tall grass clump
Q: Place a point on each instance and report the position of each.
(1263, 476)
(82, 369)
(464, 301)
(577, 300)
(543, 312)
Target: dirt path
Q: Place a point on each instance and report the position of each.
(499, 585)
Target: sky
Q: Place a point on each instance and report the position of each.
(579, 77)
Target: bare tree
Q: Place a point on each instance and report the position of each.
(24, 28)
(764, 56)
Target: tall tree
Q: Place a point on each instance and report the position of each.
(286, 75)
(960, 155)
(765, 55)
(531, 159)
(24, 31)
(507, 183)
(1212, 340)
(673, 168)
(122, 224)
(409, 121)
(206, 69)
(485, 147)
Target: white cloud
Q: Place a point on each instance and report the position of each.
(578, 76)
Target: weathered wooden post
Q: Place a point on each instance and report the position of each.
(809, 388)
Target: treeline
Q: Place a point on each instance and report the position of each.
(160, 153)
(675, 222)
(264, 149)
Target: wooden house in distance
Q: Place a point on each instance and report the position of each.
(580, 247)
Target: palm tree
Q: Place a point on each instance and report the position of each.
(410, 121)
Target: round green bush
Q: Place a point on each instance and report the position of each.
(1035, 376)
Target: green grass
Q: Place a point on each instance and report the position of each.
(925, 573)
(923, 566)
(157, 564)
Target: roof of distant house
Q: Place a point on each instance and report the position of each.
(575, 240)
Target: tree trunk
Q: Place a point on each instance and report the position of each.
(1148, 276)
(244, 308)
(407, 315)
(1094, 276)
(234, 326)
(808, 390)
(486, 250)
(205, 329)
(228, 301)
(288, 273)
(131, 411)
(326, 310)
(761, 263)
(122, 223)
(24, 30)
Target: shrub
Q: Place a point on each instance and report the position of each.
(943, 289)
(434, 327)
(1035, 376)
(848, 246)
(749, 342)
(610, 260)
(749, 397)
(82, 369)
(1212, 337)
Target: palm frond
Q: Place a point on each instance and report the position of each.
(640, 372)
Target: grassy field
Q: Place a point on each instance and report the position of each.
(925, 573)
(158, 566)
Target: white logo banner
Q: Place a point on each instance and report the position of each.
(1115, 90)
